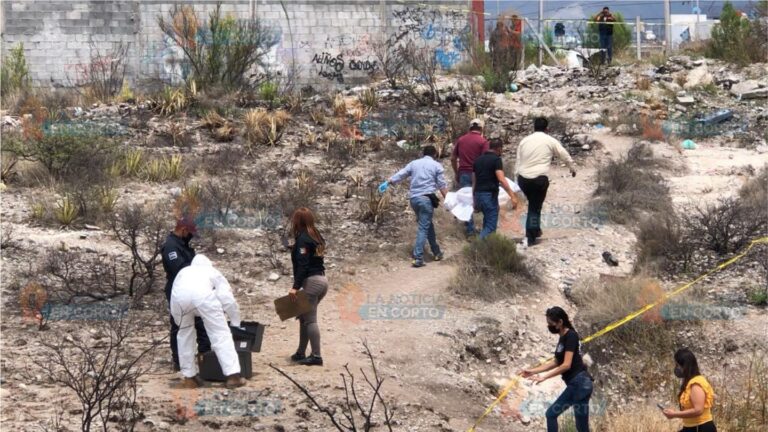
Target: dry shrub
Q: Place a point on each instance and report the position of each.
(742, 404)
(664, 245)
(629, 186)
(642, 83)
(339, 105)
(652, 128)
(492, 269)
(648, 340)
(375, 205)
(302, 192)
(729, 224)
(641, 418)
(262, 127)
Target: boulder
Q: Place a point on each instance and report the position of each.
(744, 87)
(699, 76)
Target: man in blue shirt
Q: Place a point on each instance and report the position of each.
(427, 176)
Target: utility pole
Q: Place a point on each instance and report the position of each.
(698, 17)
(541, 31)
(667, 28)
(637, 37)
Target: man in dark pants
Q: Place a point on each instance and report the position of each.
(534, 156)
(177, 254)
(605, 30)
(465, 150)
(487, 176)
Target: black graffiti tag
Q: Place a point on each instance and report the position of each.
(363, 65)
(336, 63)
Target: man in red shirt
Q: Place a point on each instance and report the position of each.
(466, 149)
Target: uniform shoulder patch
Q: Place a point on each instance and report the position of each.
(173, 255)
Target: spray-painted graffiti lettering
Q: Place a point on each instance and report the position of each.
(446, 59)
(336, 63)
(363, 65)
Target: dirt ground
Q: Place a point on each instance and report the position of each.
(427, 380)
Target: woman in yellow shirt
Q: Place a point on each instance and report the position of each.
(696, 396)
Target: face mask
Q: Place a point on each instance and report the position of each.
(553, 329)
(678, 372)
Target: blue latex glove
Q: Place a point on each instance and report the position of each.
(383, 187)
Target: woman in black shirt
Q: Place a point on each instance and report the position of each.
(567, 362)
(308, 276)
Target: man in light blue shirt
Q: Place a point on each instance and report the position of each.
(427, 176)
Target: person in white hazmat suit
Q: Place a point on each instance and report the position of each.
(201, 290)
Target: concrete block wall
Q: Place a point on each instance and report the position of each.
(331, 42)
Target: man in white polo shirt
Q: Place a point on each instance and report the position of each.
(534, 156)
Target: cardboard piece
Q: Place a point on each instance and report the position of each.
(286, 308)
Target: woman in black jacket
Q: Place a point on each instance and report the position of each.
(308, 276)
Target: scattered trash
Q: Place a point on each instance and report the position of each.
(513, 87)
(716, 117)
(599, 126)
(689, 145)
(686, 100)
(402, 143)
(609, 259)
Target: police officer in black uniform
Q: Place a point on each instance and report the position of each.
(177, 254)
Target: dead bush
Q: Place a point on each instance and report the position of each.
(729, 224)
(339, 156)
(219, 197)
(629, 186)
(492, 269)
(393, 65)
(100, 78)
(103, 369)
(71, 276)
(422, 64)
(665, 244)
(354, 414)
(227, 160)
(302, 192)
(143, 232)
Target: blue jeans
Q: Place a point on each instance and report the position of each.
(465, 180)
(488, 203)
(606, 43)
(577, 393)
(422, 206)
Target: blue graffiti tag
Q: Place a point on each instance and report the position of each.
(446, 59)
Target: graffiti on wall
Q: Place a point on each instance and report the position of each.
(443, 31)
(333, 67)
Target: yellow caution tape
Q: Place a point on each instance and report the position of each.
(620, 322)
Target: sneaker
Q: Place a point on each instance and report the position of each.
(531, 242)
(312, 360)
(417, 263)
(438, 257)
(234, 381)
(298, 357)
